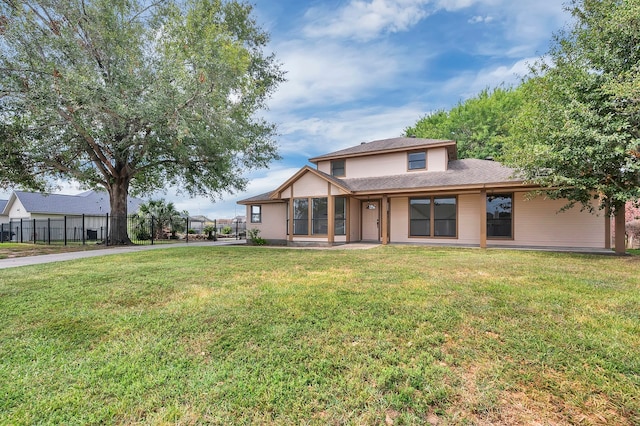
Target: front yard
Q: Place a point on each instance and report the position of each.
(392, 335)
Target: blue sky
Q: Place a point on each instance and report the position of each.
(361, 70)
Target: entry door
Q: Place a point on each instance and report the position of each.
(371, 221)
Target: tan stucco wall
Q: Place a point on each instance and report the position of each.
(536, 223)
(387, 164)
(274, 221)
(310, 185)
(437, 159)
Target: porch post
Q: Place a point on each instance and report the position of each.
(620, 247)
(291, 215)
(384, 212)
(483, 218)
(607, 228)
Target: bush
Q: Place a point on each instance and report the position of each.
(254, 237)
(226, 230)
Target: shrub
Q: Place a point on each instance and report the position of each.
(254, 237)
(226, 230)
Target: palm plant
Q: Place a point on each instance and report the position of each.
(164, 215)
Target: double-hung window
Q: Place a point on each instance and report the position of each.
(256, 214)
(433, 216)
(500, 216)
(417, 160)
(338, 168)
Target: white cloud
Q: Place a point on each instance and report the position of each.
(480, 19)
(365, 20)
(469, 84)
(329, 132)
(329, 73)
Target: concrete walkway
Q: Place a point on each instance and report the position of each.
(59, 257)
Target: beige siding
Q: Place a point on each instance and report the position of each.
(437, 159)
(325, 167)
(274, 221)
(310, 185)
(538, 222)
(468, 222)
(376, 165)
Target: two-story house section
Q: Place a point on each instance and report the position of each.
(412, 190)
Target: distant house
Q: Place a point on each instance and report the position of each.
(85, 211)
(411, 190)
(199, 222)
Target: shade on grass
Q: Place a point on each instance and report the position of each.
(404, 335)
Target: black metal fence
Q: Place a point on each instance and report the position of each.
(85, 229)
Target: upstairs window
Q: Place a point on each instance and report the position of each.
(337, 168)
(417, 160)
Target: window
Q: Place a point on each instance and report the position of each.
(337, 168)
(444, 217)
(301, 216)
(500, 216)
(340, 219)
(319, 216)
(417, 160)
(256, 214)
(311, 216)
(433, 216)
(420, 217)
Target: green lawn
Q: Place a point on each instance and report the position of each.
(253, 335)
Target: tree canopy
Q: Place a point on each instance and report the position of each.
(480, 124)
(133, 95)
(578, 133)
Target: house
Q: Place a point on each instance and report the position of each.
(411, 190)
(27, 214)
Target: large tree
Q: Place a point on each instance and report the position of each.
(133, 95)
(579, 131)
(480, 124)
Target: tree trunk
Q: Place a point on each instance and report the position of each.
(118, 198)
(620, 246)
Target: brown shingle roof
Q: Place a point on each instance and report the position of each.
(389, 145)
(468, 172)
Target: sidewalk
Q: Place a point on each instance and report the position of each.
(60, 257)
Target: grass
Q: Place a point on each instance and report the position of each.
(392, 335)
(10, 250)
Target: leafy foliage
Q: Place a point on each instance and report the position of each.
(480, 124)
(164, 215)
(133, 95)
(578, 132)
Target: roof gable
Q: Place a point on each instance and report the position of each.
(303, 171)
(389, 145)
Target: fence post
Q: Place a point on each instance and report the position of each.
(49, 230)
(187, 233)
(153, 231)
(106, 241)
(84, 231)
(64, 231)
